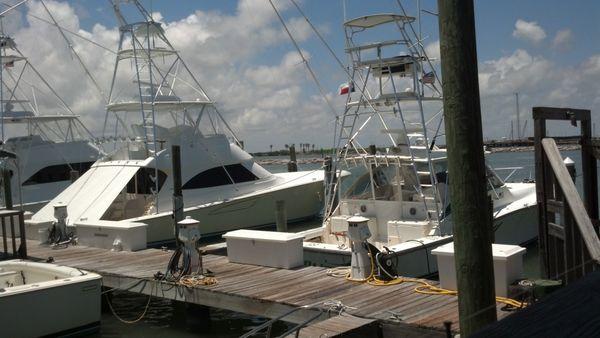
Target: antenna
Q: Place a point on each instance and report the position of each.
(524, 129)
(13, 7)
(518, 117)
(118, 14)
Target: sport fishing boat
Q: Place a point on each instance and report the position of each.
(400, 190)
(155, 102)
(44, 144)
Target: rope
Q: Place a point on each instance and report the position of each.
(338, 272)
(127, 288)
(70, 45)
(310, 71)
(428, 289)
(337, 306)
(191, 281)
(137, 319)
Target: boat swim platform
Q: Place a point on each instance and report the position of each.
(270, 292)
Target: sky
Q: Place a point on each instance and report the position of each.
(546, 50)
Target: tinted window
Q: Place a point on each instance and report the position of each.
(57, 173)
(218, 176)
(144, 182)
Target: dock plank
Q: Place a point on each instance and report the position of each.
(340, 326)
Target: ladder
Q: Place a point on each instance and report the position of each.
(147, 99)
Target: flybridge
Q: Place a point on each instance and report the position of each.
(370, 21)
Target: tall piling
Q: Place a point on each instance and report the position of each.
(292, 165)
(466, 166)
(177, 191)
(8, 203)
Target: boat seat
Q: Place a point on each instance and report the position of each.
(134, 208)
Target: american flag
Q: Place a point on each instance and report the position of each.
(428, 78)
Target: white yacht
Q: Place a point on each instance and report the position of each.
(402, 189)
(156, 102)
(45, 146)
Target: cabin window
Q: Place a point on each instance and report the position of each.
(144, 181)
(218, 176)
(57, 173)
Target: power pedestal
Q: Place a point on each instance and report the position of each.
(189, 235)
(358, 233)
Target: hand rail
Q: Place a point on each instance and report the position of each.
(296, 328)
(580, 215)
(7, 220)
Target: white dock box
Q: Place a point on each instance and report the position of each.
(265, 248)
(130, 236)
(508, 266)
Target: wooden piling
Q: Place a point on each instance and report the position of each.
(281, 216)
(177, 193)
(570, 168)
(8, 203)
(466, 166)
(292, 164)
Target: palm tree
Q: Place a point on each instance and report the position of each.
(271, 148)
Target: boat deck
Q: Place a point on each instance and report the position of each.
(264, 291)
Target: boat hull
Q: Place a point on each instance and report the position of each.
(518, 228)
(68, 305)
(301, 201)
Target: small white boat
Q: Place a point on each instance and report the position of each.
(40, 299)
(402, 191)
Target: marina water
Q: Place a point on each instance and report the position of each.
(166, 318)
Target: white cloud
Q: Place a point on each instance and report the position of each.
(539, 82)
(515, 72)
(563, 40)
(433, 50)
(529, 31)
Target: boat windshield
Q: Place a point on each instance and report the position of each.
(380, 182)
(392, 182)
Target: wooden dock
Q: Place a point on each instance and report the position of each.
(268, 292)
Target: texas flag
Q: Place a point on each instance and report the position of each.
(346, 88)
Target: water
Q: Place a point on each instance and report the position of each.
(173, 319)
(166, 318)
